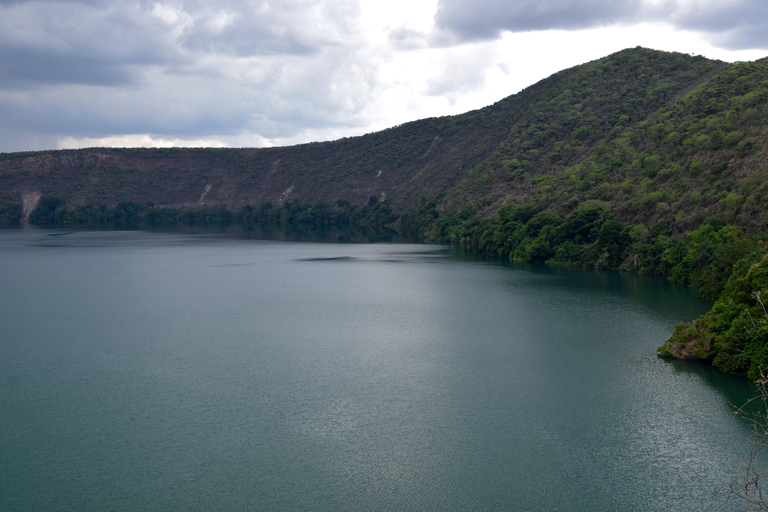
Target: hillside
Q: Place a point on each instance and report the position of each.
(643, 161)
(485, 158)
(422, 158)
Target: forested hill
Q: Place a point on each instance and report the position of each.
(505, 153)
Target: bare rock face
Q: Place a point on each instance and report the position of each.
(29, 203)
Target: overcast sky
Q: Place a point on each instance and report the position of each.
(83, 73)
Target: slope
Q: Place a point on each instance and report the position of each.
(484, 159)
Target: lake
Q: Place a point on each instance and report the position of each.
(178, 372)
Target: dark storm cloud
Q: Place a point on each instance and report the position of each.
(739, 24)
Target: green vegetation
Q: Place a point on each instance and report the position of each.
(732, 336)
(10, 215)
(643, 161)
(292, 215)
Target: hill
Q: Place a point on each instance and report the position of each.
(469, 158)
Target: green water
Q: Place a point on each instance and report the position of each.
(160, 371)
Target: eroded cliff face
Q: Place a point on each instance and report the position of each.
(29, 202)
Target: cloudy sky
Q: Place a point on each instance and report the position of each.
(83, 73)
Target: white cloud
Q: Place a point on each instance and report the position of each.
(137, 141)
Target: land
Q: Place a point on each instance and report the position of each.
(645, 161)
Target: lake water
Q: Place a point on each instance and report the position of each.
(178, 372)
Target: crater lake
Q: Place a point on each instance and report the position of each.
(170, 371)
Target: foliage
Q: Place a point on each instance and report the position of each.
(733, 335)
(10, 215)
(292, 215)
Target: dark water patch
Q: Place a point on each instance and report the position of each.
(330, 258)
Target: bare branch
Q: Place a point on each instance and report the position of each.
(749, 486)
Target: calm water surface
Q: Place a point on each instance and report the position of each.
(149, 371)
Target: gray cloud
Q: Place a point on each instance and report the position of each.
(13, 139)
(733, 25)
(740, 24)
(261, 27)
(753, 36)
(16, 2)
(485, 19)
(102, 42)
(185, 69)
(22, 68)
(64, 42)
(187, 95)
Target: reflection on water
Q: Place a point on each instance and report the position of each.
(735, 391)
(196, 371)
(655, 293)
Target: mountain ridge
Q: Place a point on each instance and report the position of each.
(418, 160)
